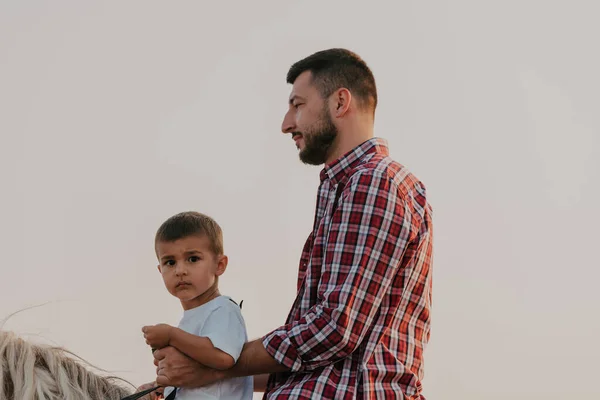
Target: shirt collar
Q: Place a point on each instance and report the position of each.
(338, 169)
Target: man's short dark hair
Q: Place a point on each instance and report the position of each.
(191, 223)
(337, 68)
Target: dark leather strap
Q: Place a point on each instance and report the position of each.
(138, 395)
(141, 394)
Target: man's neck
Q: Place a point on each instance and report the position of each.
(349, 140)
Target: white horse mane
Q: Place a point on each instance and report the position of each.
(31, 371)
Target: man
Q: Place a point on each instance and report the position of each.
(361, 319)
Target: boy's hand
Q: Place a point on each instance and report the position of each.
(157, 336)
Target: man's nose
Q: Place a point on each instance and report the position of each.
(288, 125)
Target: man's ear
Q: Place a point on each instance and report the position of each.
(341, 98)
(222, 264)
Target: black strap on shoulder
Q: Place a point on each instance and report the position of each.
(240, 305)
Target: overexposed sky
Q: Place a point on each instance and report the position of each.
(116, 115)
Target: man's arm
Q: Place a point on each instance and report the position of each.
(254, 360)
(177, 365)
(174, 368)
(200, 349)
(368, 236)
(260, 382)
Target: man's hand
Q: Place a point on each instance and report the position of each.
(157, 336)
(176, 369)
(152, 395)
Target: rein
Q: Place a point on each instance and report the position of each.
(141, 394)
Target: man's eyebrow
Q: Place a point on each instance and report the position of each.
(294, 97)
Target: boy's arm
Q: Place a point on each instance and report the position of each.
(223, 332)
(201, 349)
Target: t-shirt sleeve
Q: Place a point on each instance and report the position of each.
(226, 330)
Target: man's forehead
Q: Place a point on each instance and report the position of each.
(302, 86)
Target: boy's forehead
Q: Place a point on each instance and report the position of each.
(188, 243)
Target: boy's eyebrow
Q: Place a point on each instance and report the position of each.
(193, 251)
(168, 256)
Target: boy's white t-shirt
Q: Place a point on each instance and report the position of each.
(221, 321)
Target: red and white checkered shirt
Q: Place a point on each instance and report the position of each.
(361, 319)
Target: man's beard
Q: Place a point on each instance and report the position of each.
(318, 140)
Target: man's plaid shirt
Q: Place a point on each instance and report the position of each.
(361, 319)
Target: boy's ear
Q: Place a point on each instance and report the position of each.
(158, 267)
(222, 265)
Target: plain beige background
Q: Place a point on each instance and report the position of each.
(116, 115)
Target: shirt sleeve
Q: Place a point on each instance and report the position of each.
(369, 233)
(226, 330)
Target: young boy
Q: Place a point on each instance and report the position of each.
(189, 247)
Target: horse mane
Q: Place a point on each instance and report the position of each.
(31, 371)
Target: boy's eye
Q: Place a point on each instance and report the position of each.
(194, 259)
(170, 263)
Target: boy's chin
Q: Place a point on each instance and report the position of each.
(187, 298)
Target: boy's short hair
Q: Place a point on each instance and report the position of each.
(191, 223)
